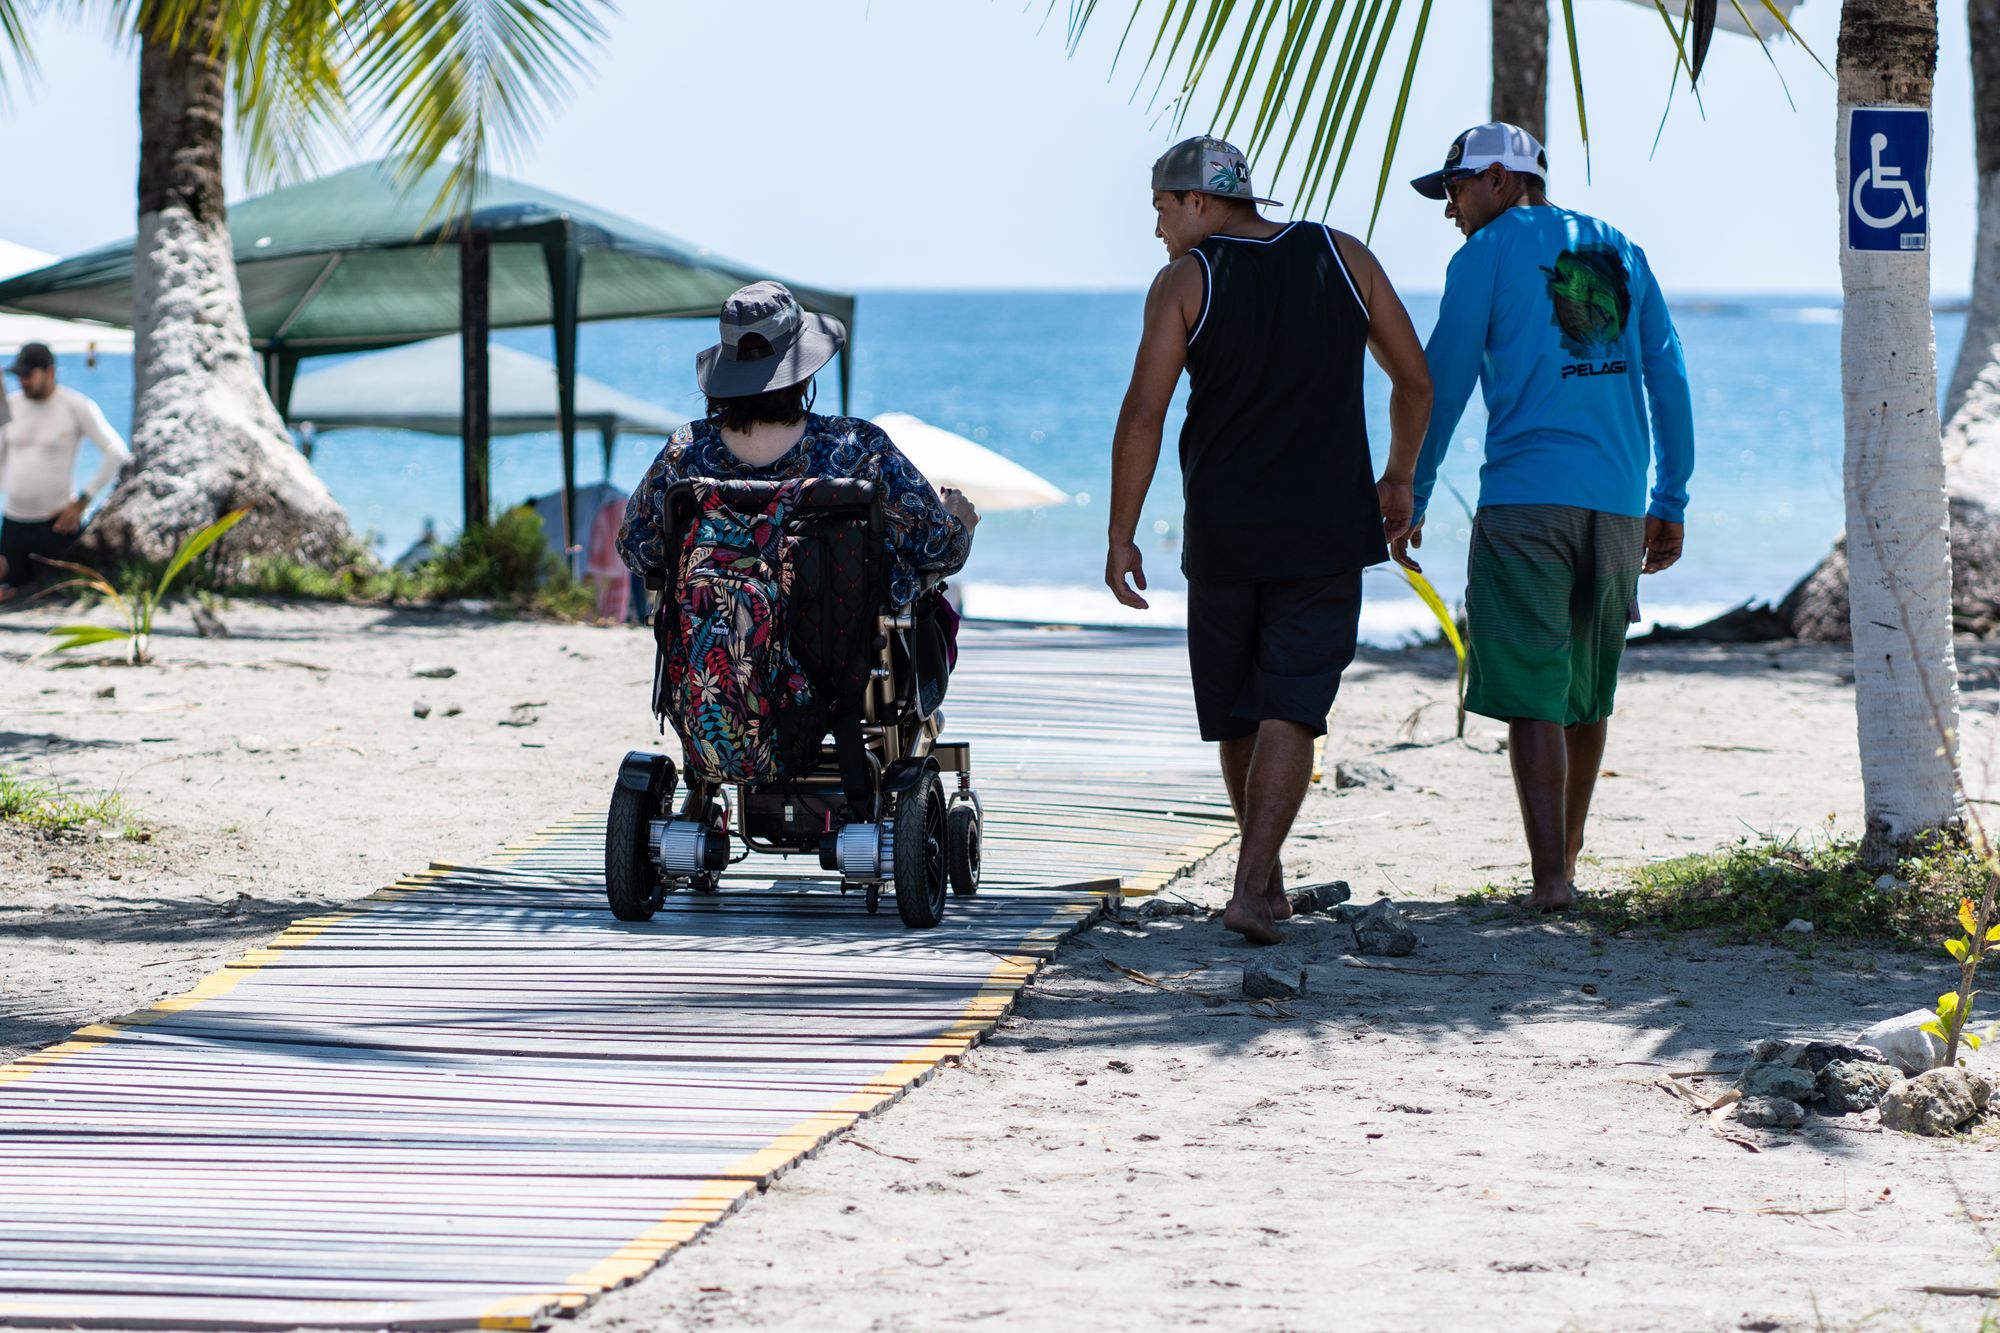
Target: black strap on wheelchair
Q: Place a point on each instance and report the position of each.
(857, 777)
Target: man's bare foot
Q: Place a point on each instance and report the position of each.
(1559, 898)
(1279, 904)
(1256, 927)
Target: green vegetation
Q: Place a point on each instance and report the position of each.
(507, 562)
(1749, 893)
(48, 810)
(141, 604)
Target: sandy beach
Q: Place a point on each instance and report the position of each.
(1476, 1137)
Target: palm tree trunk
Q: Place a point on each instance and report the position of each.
(206, 438)
(1521, 64)
(1898, 524)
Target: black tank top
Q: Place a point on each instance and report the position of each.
(1275, 470)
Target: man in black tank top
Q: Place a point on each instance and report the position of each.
(1283, 510)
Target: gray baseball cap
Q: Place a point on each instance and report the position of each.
(1479, 148)
(768, 342)
(1207, 166)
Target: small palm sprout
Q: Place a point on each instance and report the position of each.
(140, 608)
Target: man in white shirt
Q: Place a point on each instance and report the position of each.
(40, 513)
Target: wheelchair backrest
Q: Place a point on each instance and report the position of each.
(839, 572)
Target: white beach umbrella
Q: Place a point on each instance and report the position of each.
(990, 481)
(1762, 25)
(61, 336)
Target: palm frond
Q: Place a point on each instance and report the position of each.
(287, 93)
(65, 637)
(192, 548)
(1293, 80)
(1576, 71)
(459, 80)
(1793, 33)
(17, 49)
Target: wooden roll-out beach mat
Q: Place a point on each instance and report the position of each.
(474, 1099)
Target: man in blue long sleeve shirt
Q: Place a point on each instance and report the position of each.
(1557, 315)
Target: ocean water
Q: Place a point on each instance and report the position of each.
(1038, 377)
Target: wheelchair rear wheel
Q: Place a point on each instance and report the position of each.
(920, 854)
(962, 842)
(630, 881)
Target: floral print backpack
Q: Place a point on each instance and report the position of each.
(729, 684)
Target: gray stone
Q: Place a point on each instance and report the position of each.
(1798, 925)
(1320, 898)
(1274, 978)
(1904, 1043)
(1771, 1079)
(420, 709)
(208, 625)
(1846, 1086)
(1770, 1112)
(1360, 773)
(436, 672)
(1380, 929)
(1936, 1102)
(1780, 1051)
(1820, 1054)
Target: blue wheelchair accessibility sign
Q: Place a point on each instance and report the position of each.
(1888, 178)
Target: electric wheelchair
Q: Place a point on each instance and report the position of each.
(872, 804)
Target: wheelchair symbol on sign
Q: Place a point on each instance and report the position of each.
(1885, 178)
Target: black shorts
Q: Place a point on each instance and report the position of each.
(21, 540)
(1270, 651)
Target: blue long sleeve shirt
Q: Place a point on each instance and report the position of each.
(1557, 315)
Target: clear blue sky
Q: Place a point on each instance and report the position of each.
(954, 143)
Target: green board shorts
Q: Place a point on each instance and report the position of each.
(1550, 591)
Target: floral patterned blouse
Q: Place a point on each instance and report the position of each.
(923, 538)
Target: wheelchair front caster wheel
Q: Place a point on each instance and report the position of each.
(874, 900)
(920, 854)
(962, 845)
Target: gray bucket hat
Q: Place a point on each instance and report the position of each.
(768, 343)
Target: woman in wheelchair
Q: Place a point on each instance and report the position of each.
(796, 604)
(761, 427)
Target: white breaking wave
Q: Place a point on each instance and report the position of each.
(1391, 617)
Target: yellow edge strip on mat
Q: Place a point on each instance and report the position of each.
(714, 1199)
(93, 1035)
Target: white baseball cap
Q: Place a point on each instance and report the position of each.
(1479, 148)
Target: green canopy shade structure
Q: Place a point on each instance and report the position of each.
(355, 261)
(418, 388)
